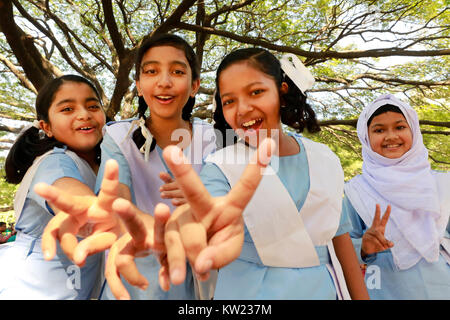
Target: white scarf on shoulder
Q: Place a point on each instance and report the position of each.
(406, 183)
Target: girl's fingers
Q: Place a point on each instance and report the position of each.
(163, 278)
(376, 217)
(61, 200)
(163, 274)
(193, 236)
(386, 215)
(67, 235)
(50, 236)
(127, 267)
(110, 185)
(95, 243)
(243, 190)
(165, 177)
(115, 283)
(161, 215)
(176, 257)
(224, 247)
(172, 194)
(189, 182)
(128, 212)
(178, 201)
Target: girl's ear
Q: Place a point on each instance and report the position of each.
(138, 87)
(194, 88)
(46, 127)
(284, 88)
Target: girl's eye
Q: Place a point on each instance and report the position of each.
(66, 109)
(401, 127)
(148, 71)
(257, 91)
(378, 130)
(179, 72)
(94, 107)
(227, 102)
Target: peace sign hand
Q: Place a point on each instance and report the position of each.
(373, 240)
(81, 212)
(208, 230)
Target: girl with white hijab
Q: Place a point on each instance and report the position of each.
(407, 250)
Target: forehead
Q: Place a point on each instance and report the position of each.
(387, 118)
(164, 54)
(71, 88)
(241, 74)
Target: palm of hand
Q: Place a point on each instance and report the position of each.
(373, 240)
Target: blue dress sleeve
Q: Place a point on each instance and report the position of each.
(345, 225)
(358, 230)
(110, 150)
(214, 180)
(55, 166)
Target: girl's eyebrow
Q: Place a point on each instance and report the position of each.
(70, 100)
(247, 86)
(176, 62)
(383, 124)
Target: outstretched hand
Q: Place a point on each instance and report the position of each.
(87, 214)
(373, 240)
(143, 238)
(208, 231)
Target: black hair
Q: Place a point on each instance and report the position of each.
(2, 223)
(165, 39)
(294, 110)
(383, 109)
(30, 143)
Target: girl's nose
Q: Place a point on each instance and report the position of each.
(244, 107)
(390, 134)
(165, 80)
(83, 113)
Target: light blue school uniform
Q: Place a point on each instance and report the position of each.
(24, 274)
(247, 277)
(385, 281)
(147, 266)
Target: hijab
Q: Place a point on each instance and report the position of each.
(407, 184)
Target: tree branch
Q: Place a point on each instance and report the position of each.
(373, 53)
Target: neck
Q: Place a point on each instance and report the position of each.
(162, 130)
(287, 146)
(89, 157)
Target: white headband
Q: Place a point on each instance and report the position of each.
(297, 72)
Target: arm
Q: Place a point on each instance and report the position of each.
(208, 231)
(353, 276)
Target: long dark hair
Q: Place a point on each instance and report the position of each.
(30, 143)
(165, 39)
(295, 111)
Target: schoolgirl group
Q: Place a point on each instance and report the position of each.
(151, 226)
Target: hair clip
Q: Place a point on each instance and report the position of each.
(36, 124)
(297, 72)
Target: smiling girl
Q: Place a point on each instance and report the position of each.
(60, 149)
(167, 80)
(296, 242)
(406, 250)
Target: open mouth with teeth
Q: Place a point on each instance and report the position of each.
(86, 129)
(392, 146)
(253, 124)
(164, 98)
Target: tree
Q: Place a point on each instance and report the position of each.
(356, 49)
